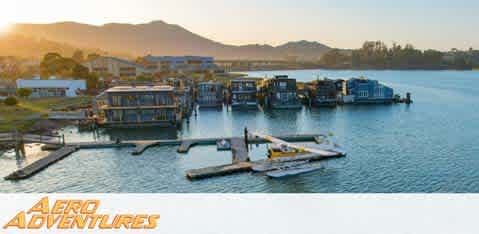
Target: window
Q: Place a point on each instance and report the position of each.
(363, 93)
(116, 100)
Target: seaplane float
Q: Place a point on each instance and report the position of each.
(287, 159)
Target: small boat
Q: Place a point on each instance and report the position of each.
(223, 145)
(294, 170)
(272, 165)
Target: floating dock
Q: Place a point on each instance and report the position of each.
(41, 164)
(214, 171)
(239, 148)
(222, 170)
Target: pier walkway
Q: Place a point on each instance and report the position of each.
(214, 171)
(240, 158)
(41, 164)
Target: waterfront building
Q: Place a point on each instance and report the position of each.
(116, 67)
(282, 93)
(210, 94)
(243, 94)
(362, 90)
(140, 105)
(323, 92)
(179, 63)
(184, 93)
(52, 87)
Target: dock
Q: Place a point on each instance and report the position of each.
(238, 167)
(222, 170)
(41, 164)
(240, 161)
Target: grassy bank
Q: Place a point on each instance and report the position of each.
(29, 113)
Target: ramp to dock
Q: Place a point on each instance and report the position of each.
(239, 150)
(41, 164)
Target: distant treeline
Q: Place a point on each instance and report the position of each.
(377, 55)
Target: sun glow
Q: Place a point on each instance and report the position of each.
(4, 27)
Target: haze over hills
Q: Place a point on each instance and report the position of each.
(160, 38)
(34, 47)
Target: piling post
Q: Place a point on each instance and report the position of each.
(246, 138)
(408, 98)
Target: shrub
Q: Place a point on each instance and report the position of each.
(11, 101)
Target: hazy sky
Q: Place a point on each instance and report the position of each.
(438, 24)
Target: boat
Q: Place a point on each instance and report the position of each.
(275, 165)
(294, 170)
(223, 145)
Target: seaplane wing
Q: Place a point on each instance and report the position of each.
(294, 146)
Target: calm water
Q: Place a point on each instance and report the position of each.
(429, 146)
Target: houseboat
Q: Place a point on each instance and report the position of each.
(362, 90)
(243, 94)
(323, 92)
(184, 92)
(210, 94)
(282, 93)
(131, 106)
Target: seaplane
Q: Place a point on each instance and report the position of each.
(287, 159)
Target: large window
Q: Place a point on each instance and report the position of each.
(363, 93)
(148, 100)
(116, 100)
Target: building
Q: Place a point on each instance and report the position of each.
(210, 94)
(179, 63)
(362, 90)
(282, 93)
(184, 93)
(323, 92)
(128, 106)
(116, 67)
(52, 87)
(243, 94)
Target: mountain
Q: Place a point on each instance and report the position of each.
(33, 47)
(160, 38)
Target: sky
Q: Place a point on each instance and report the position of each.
(436, 24)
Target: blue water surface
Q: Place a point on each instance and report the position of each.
(430, 146)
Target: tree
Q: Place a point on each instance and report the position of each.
(78, 56)
(24, 92)
(80, 72)
(11, 101)
(92, 81)
(144, 77)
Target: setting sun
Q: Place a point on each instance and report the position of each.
(4, 27)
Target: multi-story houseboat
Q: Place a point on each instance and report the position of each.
(323, 92)
(129, 106)
(210, 94)
(243, 94)
(184, 93)
(282, 93)
(362, 90)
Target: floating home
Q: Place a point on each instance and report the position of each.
(130, 106)
(362, 90)
(210, 94)
(282, 93)
(243, 94)
(324, 92)
(184, 92)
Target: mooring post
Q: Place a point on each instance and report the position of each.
(246, 138)
(63, 139)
